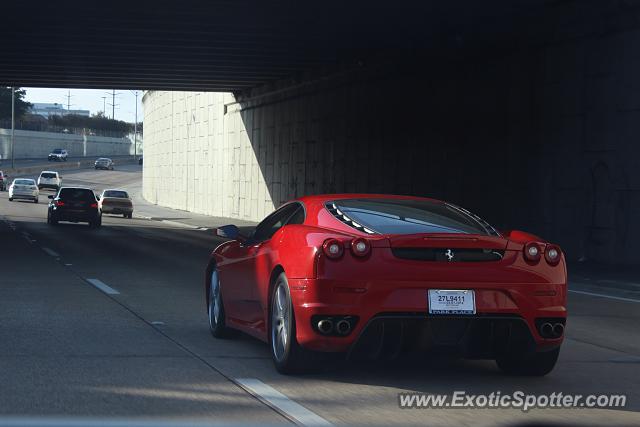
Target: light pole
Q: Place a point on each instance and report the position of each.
(13, 124)
(135, 131)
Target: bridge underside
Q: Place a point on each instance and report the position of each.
(525, 112)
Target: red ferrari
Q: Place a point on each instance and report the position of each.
(376, 275)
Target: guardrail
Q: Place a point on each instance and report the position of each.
(80, 164)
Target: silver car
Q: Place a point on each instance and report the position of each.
(104, 163)
(23, 188)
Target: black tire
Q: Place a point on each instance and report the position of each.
(530, 364)
(35, 200)
(130, 215)
(124, 215)
(215, 308)
(293, 359)
(11, 199)
(51, 220)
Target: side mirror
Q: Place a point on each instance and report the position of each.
(228, 232)
(51, 197)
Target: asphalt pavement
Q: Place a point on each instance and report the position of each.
(110, 324)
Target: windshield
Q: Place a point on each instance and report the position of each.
(399, 216)
(116, 193)
(57, 151)
(48, 175)
(77, 194)
(24, 182)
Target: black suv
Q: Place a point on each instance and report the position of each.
(74, 204)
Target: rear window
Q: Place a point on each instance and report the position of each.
(48, 175)
(77, 194)
(24, 182)
(397, 216)
(116, 193)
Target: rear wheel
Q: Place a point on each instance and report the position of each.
(51, 220)
(130, 215)
(287, 355)
(215, 308)
(532, 364)
(35, 200)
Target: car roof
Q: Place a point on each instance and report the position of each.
(75, 188)
(322, 198)
(114, 189)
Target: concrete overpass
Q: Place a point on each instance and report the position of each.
(525, 112)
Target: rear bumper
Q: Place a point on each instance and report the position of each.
(117, 209)
(403, 307)
(54, 186)
(25, 195)
(75, 217)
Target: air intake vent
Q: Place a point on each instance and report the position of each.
(448, 255)
(341, 216)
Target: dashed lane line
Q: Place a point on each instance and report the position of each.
(51, 252)
(282, 403)
(103, 286)
(594, 294)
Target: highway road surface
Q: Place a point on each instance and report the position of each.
(110, 324)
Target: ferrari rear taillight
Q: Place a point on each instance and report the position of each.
(333, 248)
(532, 252)
(94, 205)
(360, 247)
(58, 203)
(552, 254)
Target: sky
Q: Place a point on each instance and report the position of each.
(91, 99)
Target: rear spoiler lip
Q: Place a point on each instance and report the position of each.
(441, 240)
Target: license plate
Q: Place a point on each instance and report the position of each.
(445, 301)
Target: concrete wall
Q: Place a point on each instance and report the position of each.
(32, 144)
(544, 140)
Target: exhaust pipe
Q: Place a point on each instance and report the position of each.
(546, 330)
(558, 330)
(325, 326)
(343, 327)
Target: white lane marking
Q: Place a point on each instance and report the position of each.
(51, 252)
(593, 294)
(103, 286)
(282, 402)
(27, 239)
(180, 224)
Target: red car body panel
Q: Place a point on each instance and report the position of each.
(380, 282)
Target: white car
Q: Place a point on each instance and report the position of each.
(116, 202)
(58, 154)
(49, 179)
(23, 188)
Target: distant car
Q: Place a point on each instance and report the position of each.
(116, 202)
(3, 181)
(104, 163)
(23, 188)
(59, 155)
(49, 179)
(74, 204)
